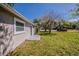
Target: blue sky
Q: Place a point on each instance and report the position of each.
(36, 10)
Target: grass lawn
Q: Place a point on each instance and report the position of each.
(56, 44)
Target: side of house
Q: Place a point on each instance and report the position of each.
(16, 29)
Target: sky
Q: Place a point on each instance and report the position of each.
(36, 10)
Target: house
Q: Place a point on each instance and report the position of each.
(14, 29)
(73, 20)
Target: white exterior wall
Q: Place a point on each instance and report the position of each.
(33, 30)
(18, 38)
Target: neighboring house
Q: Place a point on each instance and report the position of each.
(14, 29)
(73, 20)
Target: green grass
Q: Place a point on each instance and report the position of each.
(56, 44)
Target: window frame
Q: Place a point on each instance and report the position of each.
(18, 20)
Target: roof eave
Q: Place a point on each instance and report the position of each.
(15, 13)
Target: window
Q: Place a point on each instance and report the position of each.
(19, 26)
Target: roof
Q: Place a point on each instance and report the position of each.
(16, 13)
(73, 20)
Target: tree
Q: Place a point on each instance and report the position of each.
(75, 11)
(48, 20)
(63, 25)
(53, 17)
(11, 4)
(77, 25)
(44, 22)
(37, 23)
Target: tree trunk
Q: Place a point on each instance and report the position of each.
(45, 29)
(50, 29)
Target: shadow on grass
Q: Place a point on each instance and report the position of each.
(46, 33)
